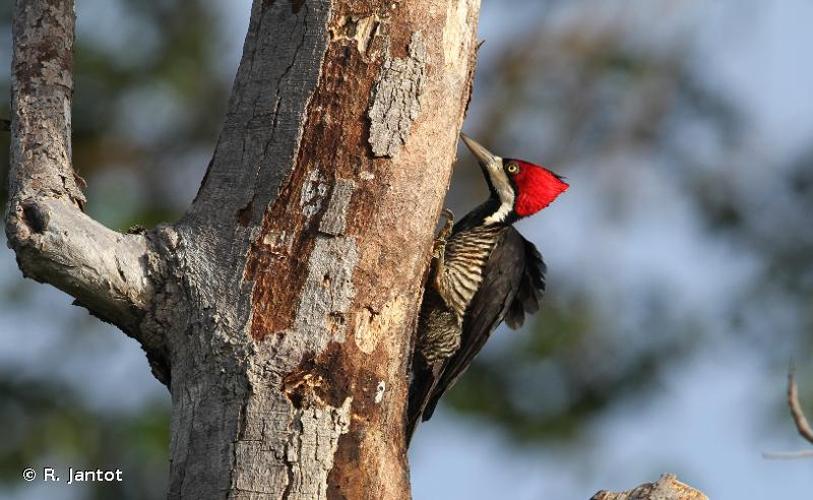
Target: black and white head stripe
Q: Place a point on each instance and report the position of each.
(504, 189)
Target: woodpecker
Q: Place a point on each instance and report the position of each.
(483, 272)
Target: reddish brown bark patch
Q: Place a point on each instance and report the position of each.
(281, 250)
(322, 379)
(386, 220)
(244, 214)
(335, 134)
(363, 373)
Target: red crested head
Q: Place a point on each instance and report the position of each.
(536, 186)
(518, 188)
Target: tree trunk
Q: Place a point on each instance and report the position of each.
(280, 309)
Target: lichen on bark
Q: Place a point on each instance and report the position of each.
(397, 99)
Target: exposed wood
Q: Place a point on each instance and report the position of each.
(665, 488)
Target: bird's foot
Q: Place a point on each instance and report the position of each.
(440, 240)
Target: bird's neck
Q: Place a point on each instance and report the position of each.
(487, 213)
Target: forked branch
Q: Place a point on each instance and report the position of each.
(55, 242)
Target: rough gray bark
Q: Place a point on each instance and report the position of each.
(55, 241)
(279, 310)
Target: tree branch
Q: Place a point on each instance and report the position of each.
(665, 488)
(796, 411)
(799, 420)
(55, 242)
(787, 455)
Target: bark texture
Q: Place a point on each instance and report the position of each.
(54, 240)
(279, 310)
(665, 488)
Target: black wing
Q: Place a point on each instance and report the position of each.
(513, 285)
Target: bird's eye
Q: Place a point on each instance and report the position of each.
(512, 168)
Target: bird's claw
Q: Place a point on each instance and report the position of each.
(438, 248)
(440, 240)
(446, 230)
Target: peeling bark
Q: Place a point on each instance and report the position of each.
(280, 309)
(310, 451)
